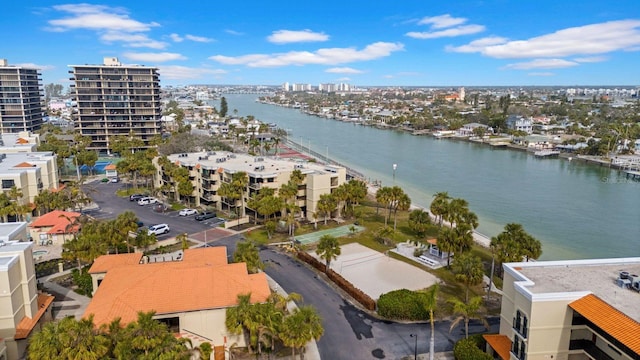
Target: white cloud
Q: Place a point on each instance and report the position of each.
(177, 72)
(198, 38)
(176, 38)
(97, 17)
(327, 56)
(445, 26)
(290, 36)
(542, 64)
(233, 32)
(344, 70)
(451, 32)
(591, 39)
(154, 57)
(133, 40)
(591, 59)
(441, 21)
(36, 66)
(343, 79)
(477, 45)
(110, 23)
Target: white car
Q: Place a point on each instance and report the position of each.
(159, 229)
(147, 201)
(187, 212)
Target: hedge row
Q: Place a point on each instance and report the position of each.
(345, 285)
(403, 304)
(467, 349)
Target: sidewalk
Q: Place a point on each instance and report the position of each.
(74, 307)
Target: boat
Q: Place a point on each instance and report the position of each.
(546, 153)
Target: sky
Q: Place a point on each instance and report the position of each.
(362, 43)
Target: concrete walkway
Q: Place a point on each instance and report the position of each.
(76, 303)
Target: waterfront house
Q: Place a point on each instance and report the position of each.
(518, 123)
(468, 129)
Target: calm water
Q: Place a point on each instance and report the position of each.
(576, 210)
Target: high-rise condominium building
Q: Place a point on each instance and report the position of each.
(116, 100)
(20, 98)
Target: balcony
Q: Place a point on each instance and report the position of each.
(590, 348)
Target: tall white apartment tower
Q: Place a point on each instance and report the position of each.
(20, 98)
(116, 100)
(461, 94)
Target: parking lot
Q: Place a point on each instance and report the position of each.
(109, 205)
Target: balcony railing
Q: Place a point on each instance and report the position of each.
(590, 348)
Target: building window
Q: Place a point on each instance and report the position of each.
(520, 323)
(518, 348)
(8, 184)
(173, 323)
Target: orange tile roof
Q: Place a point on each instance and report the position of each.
(110, 167)
(22, 141)
(433, 241)
(105, 263)
(201, 281)
(25, 325)
(610, 320)
(24, 165)
(500, 344)
(58, 221)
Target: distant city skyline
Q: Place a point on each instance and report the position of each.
(466, 43)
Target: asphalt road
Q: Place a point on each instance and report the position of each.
(348, 331)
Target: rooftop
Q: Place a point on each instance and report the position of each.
(255, 166)
(597, 276)
(58, 221)
(11, 230)
(202, 280)
(16, 161)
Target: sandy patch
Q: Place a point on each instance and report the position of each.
(375, 273)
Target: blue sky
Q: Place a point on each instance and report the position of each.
(375, 42)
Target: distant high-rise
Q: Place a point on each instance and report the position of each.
(20, 98)
(116, 100)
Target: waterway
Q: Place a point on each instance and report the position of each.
(576, 210)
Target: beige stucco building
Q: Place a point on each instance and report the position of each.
(209, 169)
(189, 292)
(570, 310)
(22, 308)
(28, 172)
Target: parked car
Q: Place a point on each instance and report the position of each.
(115, 179)
(187, 212)
(205, 215)
(159, 229)
(136, 197)
(147, 201)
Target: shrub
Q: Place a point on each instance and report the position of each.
(83, 281)
(466, 349)
(403, 304)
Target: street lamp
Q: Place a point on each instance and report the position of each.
(395, 166)
(415, 347)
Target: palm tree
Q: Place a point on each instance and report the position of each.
(326, 205)
(302, 326)
(440, 205)
(328, 249)
(418, 221)
(247, 252)
(402, 203)
(430, 304)
(467, 311)
(383, 197)
(469, 270)
(69, 339)
(514, 244)
(447, 242)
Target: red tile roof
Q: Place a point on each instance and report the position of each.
(110, 167)
(27, 324)
(58, 221)
(202, 280)
(500, 344)
(610, 320)
(108, 262)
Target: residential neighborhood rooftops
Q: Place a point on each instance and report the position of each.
(596, 276)
(201, 280)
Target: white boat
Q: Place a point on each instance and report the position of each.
(546, 153)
